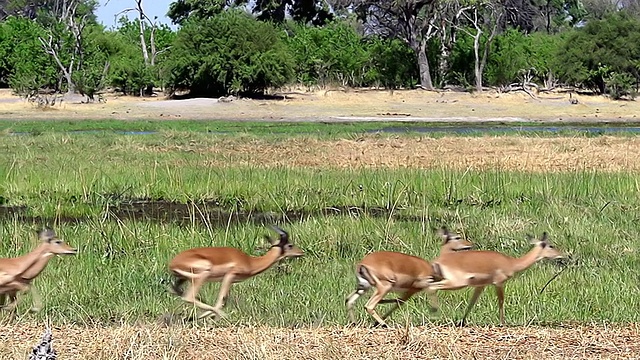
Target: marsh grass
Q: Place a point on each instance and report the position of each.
(120, 273)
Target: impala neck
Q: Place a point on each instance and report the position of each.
(262, 263)
(530, 258)
(34, 262)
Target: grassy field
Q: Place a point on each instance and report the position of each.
(130, 203)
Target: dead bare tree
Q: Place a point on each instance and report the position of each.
(481, 17)
(66, 14)
(145, 21)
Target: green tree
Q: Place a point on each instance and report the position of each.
(229, 53)
(604, 51)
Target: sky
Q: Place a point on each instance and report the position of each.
(108, 9)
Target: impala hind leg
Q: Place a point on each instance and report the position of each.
(500, 294)
(353, 297)
(399, 301)
(370, 306)
(474, 298)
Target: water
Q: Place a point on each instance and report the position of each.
(451, 129)
(464, 129)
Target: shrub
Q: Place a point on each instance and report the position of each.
(229, 53)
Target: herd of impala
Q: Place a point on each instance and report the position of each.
(456, 267)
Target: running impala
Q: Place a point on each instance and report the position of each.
(388, 271)
(479, 269)
(16, 274)
(225, 265)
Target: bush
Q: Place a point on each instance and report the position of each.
(25, 65)
(229, 53)
(514, 52)
(603, 55)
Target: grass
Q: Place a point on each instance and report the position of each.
(316, 129)
(120, 274)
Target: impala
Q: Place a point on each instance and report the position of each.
(479, 269)
(16, 274)
(388, 271)
(225, 265)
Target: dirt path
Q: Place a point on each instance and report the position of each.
(331, 106)
(156, 342)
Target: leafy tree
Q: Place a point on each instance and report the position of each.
(412, 21)
(515, 52)
(331, 54)
(182, 10)
(25, 66)
(603, 52)
(229, 53)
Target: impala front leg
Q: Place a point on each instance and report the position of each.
(225, 286)
(37, 300)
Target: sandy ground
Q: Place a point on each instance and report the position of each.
(340, 105)
(438, 342)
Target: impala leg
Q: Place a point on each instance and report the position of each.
(191, 294)
(474, 298)
(400, 301)
(370, 306)
(351, 300)
(37, 300)
(434, 303)
(225, 287)
(500, 294)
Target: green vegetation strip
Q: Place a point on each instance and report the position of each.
(319, 129)
(120, 273)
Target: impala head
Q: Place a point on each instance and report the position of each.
(453, 241)
(286, 247)
(53, 244)
(548, 251)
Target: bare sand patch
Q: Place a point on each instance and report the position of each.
(604, 153)
(423, 342)
(338, 105)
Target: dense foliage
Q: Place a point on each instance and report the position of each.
(220, 48)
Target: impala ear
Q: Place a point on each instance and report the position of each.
(284, 236)
(46, 235)
(545, 237)
(444, 233)
(531, 239)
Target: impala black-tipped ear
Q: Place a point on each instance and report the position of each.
(545, 237)
(284, 236)
(444, 232)
(531, 239)
(46, 235)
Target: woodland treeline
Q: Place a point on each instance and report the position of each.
(222, 47)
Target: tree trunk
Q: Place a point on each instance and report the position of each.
(423, 65)
(143, 43)
(476, 54)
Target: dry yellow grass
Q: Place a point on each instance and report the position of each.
(338, 105)
(438, 342)
(605, 153)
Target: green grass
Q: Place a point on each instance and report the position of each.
(318, 129)
(120, 272)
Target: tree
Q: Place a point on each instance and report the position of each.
(229, 53)
(604, 55)
(182, 10)
(412, 21)
(481, 23)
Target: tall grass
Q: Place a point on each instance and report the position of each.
(120, 273)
